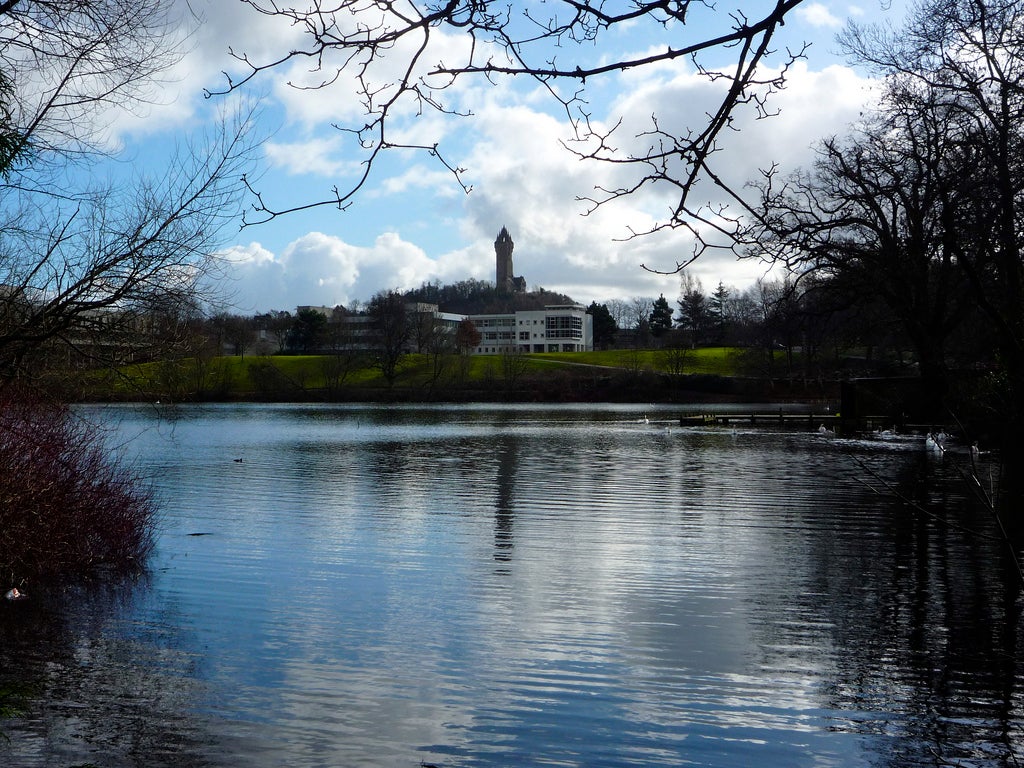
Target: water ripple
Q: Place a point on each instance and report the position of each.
(517, 586)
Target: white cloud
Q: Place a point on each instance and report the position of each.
(330, 88)
(818, 15)
(244, 255)
(314, 156)
(419, 177)
(207, 32)
(320, 269)
(525, 179)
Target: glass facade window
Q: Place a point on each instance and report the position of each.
(564, 326)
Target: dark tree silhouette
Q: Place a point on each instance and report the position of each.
(605, 327)
(308, 332)
(693, 309)
(392, 329)
(923, 204)
(661, 317)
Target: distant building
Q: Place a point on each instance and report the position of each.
(327, 312)
(556, 328)
(504, 276)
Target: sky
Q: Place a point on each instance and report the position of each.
(412, 222)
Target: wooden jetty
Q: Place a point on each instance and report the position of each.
(794, 420)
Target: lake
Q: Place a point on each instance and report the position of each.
(529, 586)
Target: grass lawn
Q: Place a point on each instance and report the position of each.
(720, 361)
(279, 375)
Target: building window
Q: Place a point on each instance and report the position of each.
(564, 326)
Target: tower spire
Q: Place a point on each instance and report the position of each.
(503, 272)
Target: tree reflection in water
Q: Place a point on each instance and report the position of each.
(494, 586)
(98, 694)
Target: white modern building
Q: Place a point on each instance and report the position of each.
(556, 328)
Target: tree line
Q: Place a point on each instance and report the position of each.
(918, 210)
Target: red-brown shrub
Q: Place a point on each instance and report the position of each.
(67, 504)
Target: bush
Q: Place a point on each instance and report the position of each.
(67, 506)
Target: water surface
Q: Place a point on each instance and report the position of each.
(517, 586)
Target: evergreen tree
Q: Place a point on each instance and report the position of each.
(693, 309)
(661, 317)
(718, 308)
(307, 332)
(605, 327)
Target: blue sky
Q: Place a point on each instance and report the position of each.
(412, 222)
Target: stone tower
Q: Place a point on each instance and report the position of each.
(503, 274)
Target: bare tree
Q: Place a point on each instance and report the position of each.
(404, 57)
(873, 215)
(110, 261)
(467, 337)
(639, 311)
(965, 58)
(392, 329)
(922, 206)
(278, 324)
(514, 363)
(84, 268)
(239, 333)
(69, 67)
(441, 351)
(674, 354)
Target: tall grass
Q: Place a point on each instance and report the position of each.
(67, 506)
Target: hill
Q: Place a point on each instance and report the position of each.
(480, 297)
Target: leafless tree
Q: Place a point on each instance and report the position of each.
(392, 328)
(619, 310)
(401, 57)
(922, 206)
(965, 58)
(71, 66)
(675, 353)
(115, 262)
(872, 215)
(639, 311)
(88, 268)
(278, 324)
(514, 363)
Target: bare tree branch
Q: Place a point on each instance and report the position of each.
(352, 43)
